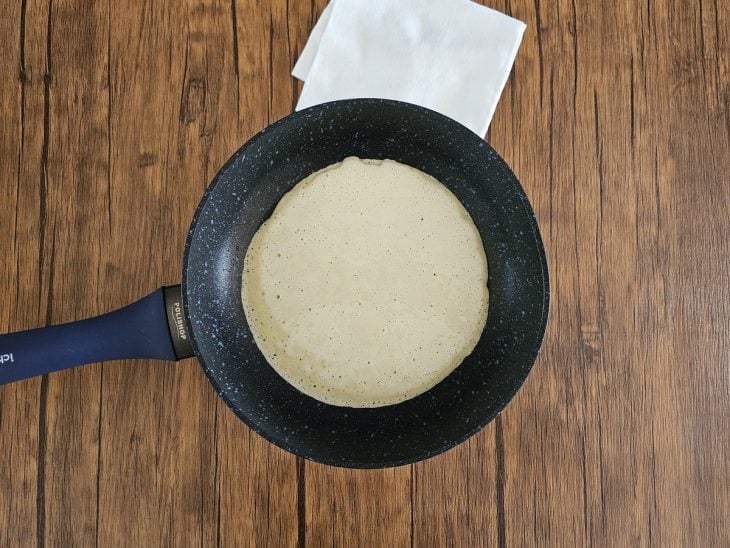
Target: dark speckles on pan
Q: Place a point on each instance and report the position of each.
(243, 195)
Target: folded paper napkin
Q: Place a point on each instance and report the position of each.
(452, 56)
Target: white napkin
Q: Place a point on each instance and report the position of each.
(452, 56)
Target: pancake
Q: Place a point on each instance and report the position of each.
(367, 285)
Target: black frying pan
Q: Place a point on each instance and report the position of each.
(211, 322)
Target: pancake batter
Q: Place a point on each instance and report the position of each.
(368, 284)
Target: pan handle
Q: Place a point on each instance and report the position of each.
(153, 328)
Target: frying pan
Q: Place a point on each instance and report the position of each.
(204, 316)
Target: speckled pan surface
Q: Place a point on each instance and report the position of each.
(244, 194)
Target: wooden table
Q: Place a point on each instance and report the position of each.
(114, 119)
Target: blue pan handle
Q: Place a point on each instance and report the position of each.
(153, 328)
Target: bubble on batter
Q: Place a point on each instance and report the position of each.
(368, 284)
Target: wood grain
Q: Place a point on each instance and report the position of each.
(116, 116)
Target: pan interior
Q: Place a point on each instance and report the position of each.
(244, 194)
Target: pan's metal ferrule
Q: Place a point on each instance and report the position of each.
(179, 333)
